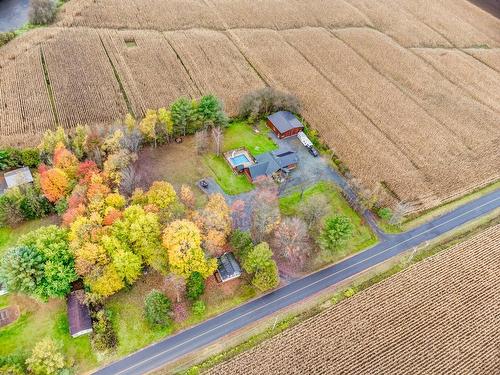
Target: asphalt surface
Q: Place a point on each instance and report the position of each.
(213, 329)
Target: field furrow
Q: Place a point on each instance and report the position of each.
(24, 102)
(389, 327)
(216, 65)
(82, 79)
(474, 123)
(343, 126)
(150, 69)
(489, 57)
(466, 72)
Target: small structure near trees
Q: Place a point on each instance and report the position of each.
(78, 315)
(227, 268)
(284, 124)
(17, 177)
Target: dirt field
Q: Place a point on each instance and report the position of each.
(438, 316)
(406, 93)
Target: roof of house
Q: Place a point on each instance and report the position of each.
(227, 267)
(18, 177)
(284, 121)
(270, 162)
(78, 315)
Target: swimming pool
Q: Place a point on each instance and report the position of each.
(239, 160)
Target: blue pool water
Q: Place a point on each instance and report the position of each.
(240, 159)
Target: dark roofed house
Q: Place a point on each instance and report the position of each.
(227, 268)
(269, 163)
(284, 124)
(78, 315)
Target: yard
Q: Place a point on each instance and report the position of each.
(362, 237)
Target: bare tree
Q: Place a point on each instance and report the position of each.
(266, 212)
(201, 141)
(129, 180)
(314, 209)
(267, 100)
(218, 137)
(238, 213)
(400, 211)
(175, 287)
(290, 241)
(42, 12)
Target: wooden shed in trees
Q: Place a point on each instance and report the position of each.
(78, 315)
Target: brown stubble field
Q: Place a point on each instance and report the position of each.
(439, 316)
(371, 75)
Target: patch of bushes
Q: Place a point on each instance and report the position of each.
(262, 102)
(241, 242)
(6, 37)
(157, 309)
(385, 213)
(11, 158)
(23, 203)
(198, 308)
(103, 337)
(42, 12)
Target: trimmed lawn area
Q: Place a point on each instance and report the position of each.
(9, 236)
(41, 320)
(241, 134)
(362, 237)
(128, 310)
(230, 182)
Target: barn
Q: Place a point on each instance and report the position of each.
(284, 124)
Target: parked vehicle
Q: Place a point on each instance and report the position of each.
(313, 151)
(204, 184)
(304, 139)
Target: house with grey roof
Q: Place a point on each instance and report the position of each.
(280, 161)
(79, 319)
(227, 268)
(284, 124)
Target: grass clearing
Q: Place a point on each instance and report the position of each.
(362, 237)
(9, 236)
(241, 134)
(230, 182)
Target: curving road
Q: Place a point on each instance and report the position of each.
(207, 332)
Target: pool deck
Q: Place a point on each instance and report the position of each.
(231, 154)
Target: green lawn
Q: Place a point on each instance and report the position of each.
(9, 236)
(39, 321)
(230, 182)
(240, 134)
(362, 238)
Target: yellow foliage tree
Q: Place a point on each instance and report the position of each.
(182, 240)
(216, 223)
(147, 126)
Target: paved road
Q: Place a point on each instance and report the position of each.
(196, 337)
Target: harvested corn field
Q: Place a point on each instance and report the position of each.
(215, 64)
(440, 316)
(412, 123)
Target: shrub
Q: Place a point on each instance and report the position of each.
(10, 158)
(103, 337)
(30, 157)
(195, 286)
(46, 358)
(10, 212)
(241, 243)
(42, 12)
(385, 213)
(157, 309)
(258, 258)
(33, 204)
(198, 308)
(265, 101)
(337, 231)
(6, 37)
(267, 277)
(61, 206)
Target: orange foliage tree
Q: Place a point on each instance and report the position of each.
(54, 183)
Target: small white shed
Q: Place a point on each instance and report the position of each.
(18, 177)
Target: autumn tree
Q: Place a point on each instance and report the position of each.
(66, 161)
(187, 196)
(46, 358)
(336, 232)
(290, 241)
(50, 140)
(266, 212)
(182, 240)
(78, 141)
(148, 126)
(201, 141)
(54, 183)
(215, 222)
(314, 209)
(238, 213)
(266, 278)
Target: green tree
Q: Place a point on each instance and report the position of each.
(198, 308)
(157, 309)
(59, 266)
(46, 358)
(241, 242)
(385, 213)
(210, 112)
(267, 277)
(195, 286)
(30, 157)
(258, 258)
(21, 269)
(181, 116)
(337, 231)
(128, 265)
